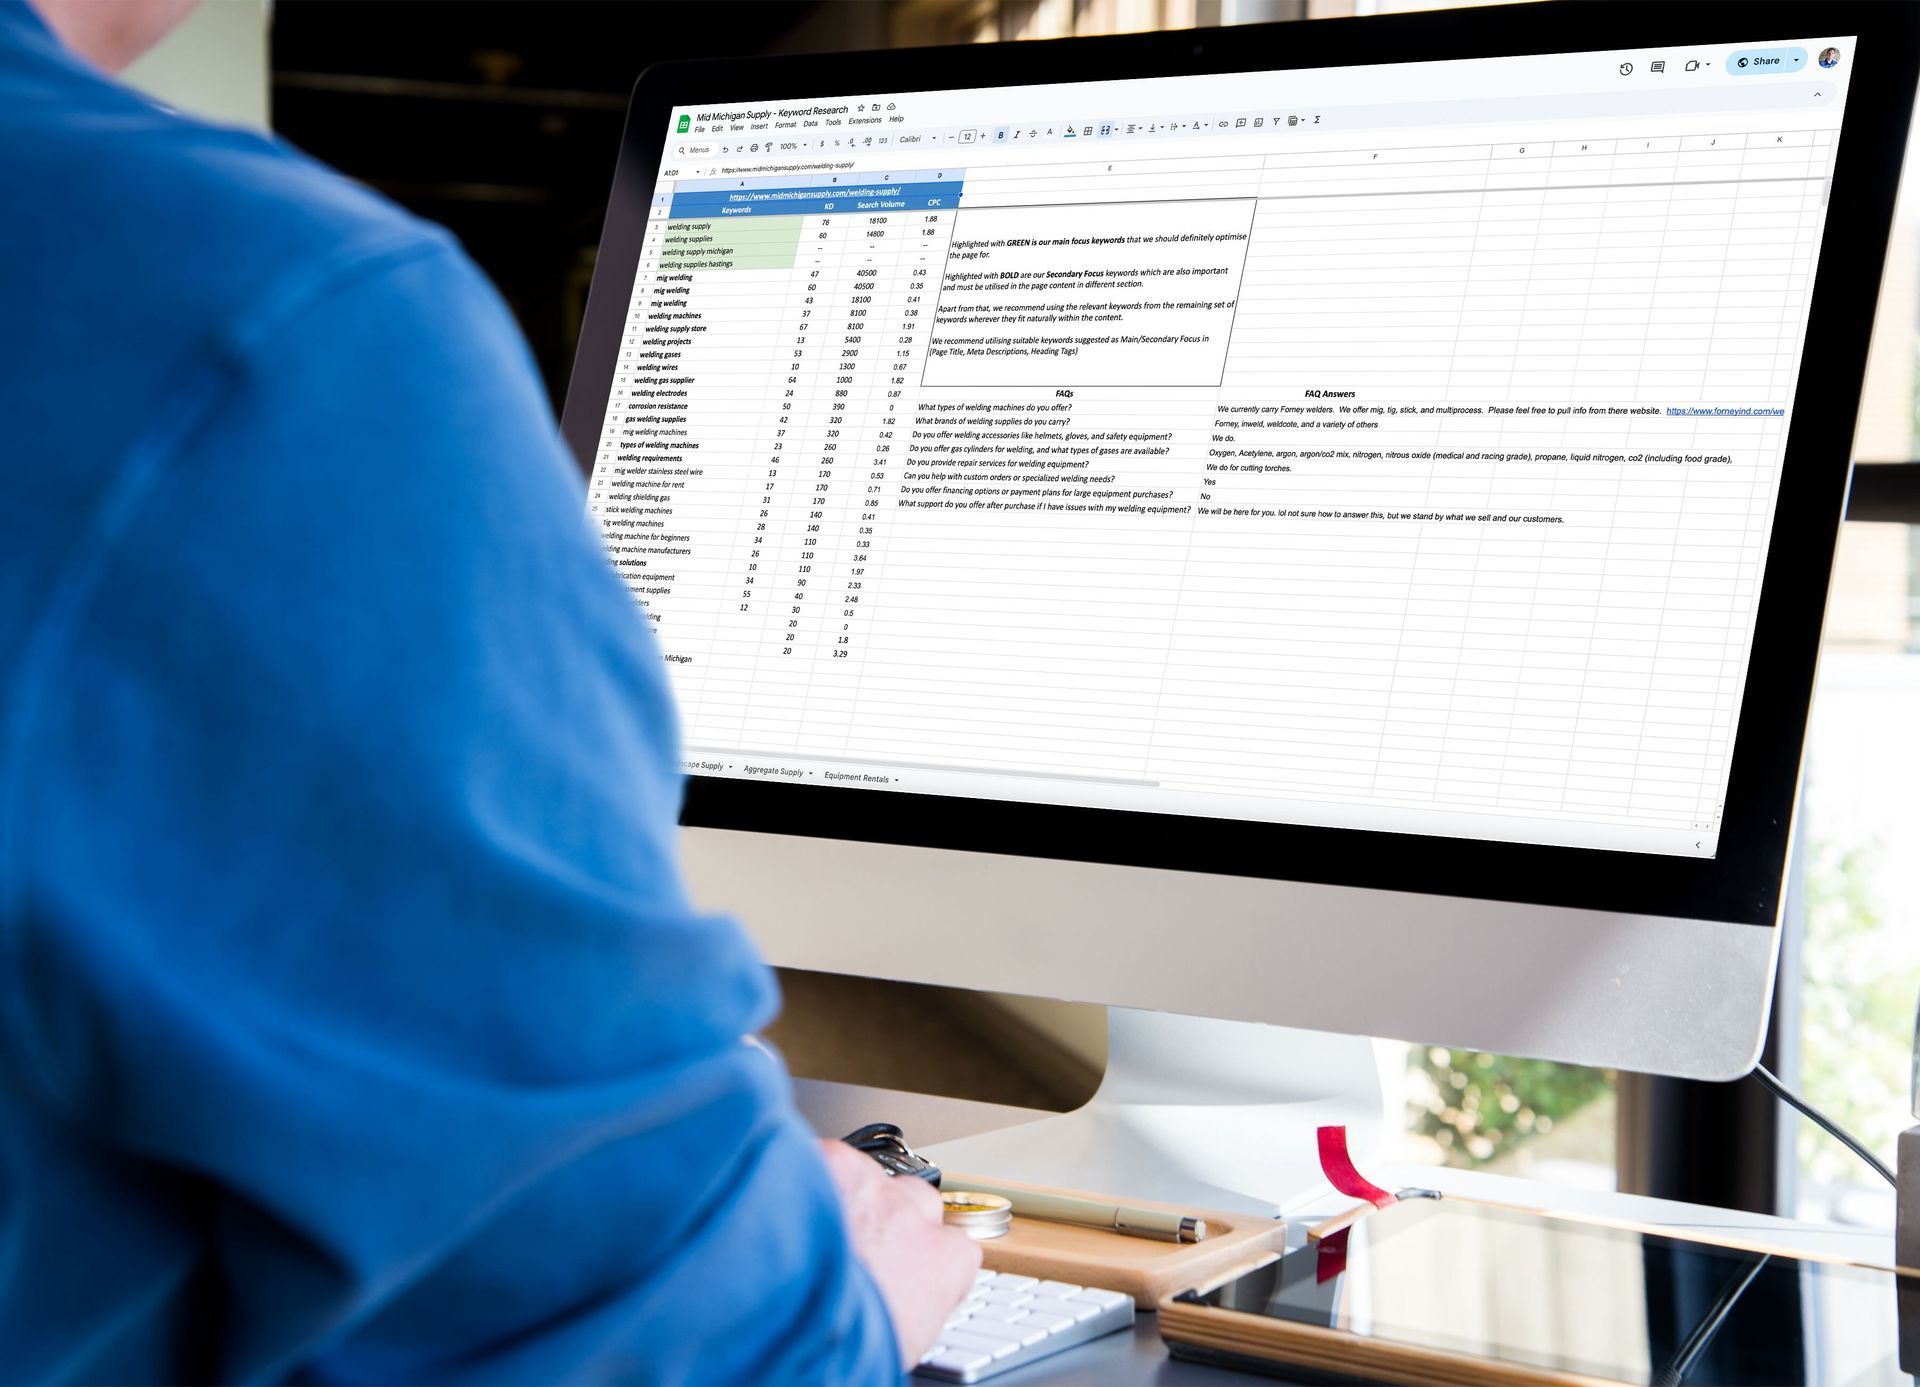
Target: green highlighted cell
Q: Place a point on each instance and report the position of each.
(730, 243)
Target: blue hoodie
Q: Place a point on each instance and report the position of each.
(354, 1022)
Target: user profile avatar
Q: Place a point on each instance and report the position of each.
(1829, 57)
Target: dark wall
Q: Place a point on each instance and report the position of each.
(501, 120)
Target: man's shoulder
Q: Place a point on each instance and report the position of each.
(145, 259)
(148, 222)
(256, 197)
(208, 216)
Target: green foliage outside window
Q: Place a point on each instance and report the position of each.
(1478, 1106)
(1857, 1008)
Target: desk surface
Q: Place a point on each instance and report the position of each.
(1140, 1357)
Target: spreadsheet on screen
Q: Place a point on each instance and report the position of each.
(1388, 447)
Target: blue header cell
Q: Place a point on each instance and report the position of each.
(814, 198)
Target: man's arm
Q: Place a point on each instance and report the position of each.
(347, 813)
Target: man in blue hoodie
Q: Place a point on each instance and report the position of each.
(354, 1022)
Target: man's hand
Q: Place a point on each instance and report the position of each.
(923, 1267)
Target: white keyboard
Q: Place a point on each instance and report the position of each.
(1008, 1321)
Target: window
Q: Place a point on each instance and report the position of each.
(1511, 1116)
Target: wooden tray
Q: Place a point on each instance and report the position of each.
(1144, 1268)
(1307, 1346)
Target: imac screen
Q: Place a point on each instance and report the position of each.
(1386, 447)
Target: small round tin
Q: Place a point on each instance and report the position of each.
(980, 1216)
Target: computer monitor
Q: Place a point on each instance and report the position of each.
(1320, 524)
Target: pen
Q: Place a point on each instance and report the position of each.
(1098, 1213)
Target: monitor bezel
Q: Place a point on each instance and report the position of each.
(1743, 881)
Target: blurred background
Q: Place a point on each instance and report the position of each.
(501, 121)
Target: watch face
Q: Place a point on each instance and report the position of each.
(887, 1145)
(897, 1163)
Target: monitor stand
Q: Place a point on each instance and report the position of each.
(1213, 1114)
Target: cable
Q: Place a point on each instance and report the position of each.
(1821, 1120)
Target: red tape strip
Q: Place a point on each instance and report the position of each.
(1331, 1258)
(1338, 1167)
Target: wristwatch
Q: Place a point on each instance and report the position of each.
(884, 1142)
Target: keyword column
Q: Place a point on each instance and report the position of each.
(648, 445)
(747, 402)
(703, 317)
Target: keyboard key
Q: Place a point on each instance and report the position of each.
(1004, 1314)
(1101, 1298)
(1045, 1322)
(979, 1343)
(947, 1358)
(996, 1296)
(1058, 1290)
(1021, 1331)
(983, 1276)
(1073, 1309)
(1007, 1281)
(958, 1317)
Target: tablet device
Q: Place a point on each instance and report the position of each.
(1418, 1291)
